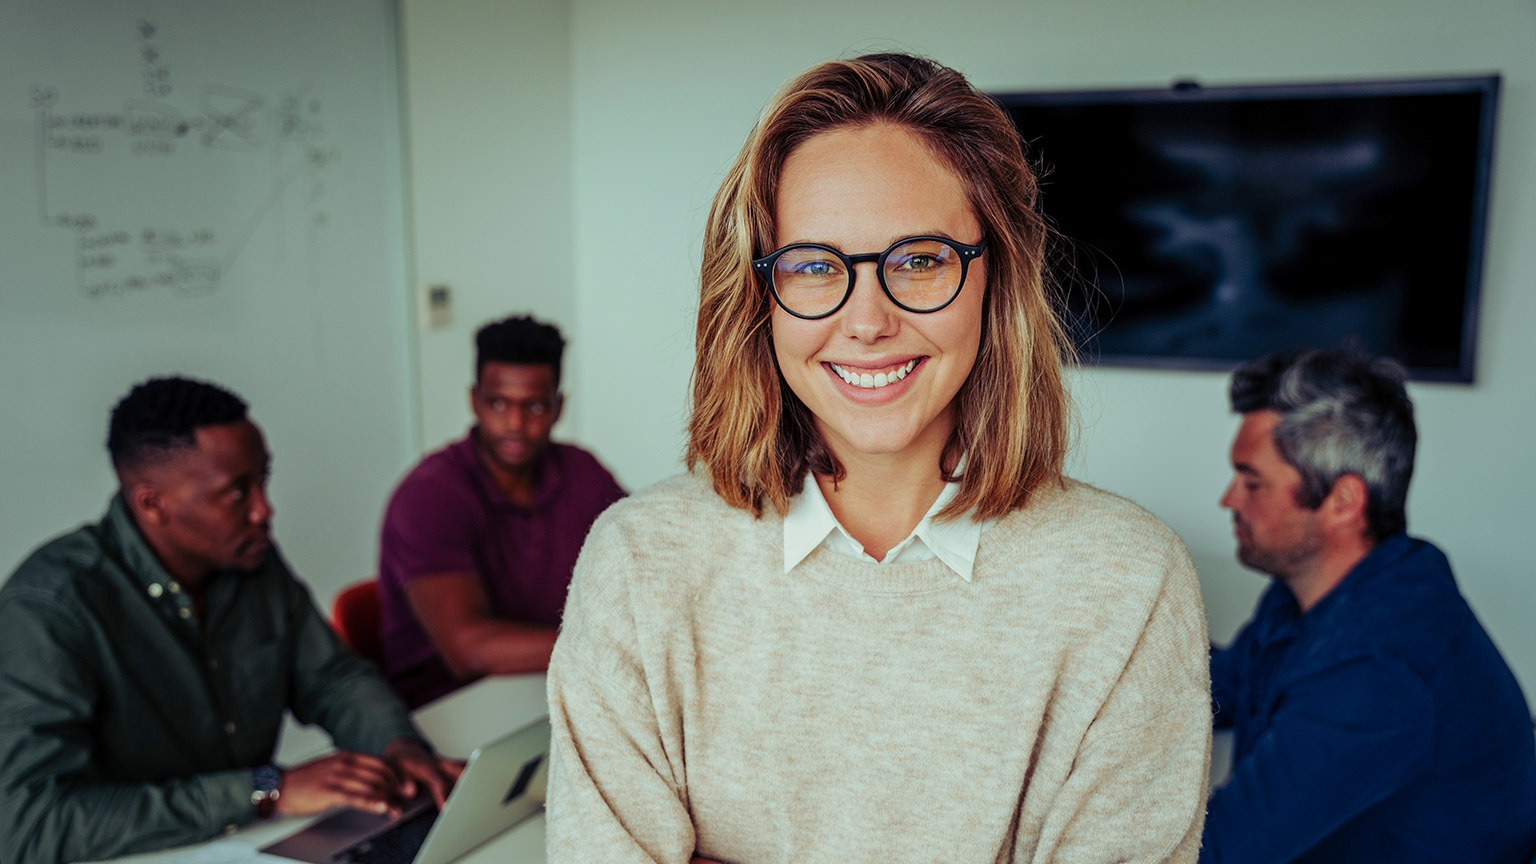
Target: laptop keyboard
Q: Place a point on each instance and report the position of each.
(397, 844)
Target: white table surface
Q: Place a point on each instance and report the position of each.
(455, 724)
(1222, 745)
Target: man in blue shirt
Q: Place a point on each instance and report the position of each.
(1374, 719)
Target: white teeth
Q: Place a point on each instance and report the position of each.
(875, 381)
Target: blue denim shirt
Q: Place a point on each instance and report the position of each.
(1380, 726)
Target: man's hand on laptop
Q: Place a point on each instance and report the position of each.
(344, 779)
(420, 770)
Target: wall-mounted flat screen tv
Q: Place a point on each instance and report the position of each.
(1204, 226)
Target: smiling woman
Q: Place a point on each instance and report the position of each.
(858, 188)
(875, 622)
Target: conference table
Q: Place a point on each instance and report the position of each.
(455, 724)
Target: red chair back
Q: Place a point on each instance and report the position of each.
(358, 618)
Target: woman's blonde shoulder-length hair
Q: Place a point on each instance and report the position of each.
(755, 439)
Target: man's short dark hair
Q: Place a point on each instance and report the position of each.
(520, 340)
(162, 415)
(1341, 412)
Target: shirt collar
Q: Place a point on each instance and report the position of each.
(953, 541)
(134, 550)
(807, 523)
(1359, 578)
(123, 535)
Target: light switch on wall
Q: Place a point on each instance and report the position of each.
(439, 307)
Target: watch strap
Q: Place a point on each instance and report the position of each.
(266, 788)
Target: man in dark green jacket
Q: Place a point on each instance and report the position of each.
(146, 660)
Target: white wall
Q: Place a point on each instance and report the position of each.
(664, 94)
(488, 134)
(298, 299)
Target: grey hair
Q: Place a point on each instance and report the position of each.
(1341, 413)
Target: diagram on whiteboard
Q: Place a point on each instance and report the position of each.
(166, 190)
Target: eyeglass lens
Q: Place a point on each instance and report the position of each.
(920, 274)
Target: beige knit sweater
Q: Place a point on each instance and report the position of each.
(1054, 709)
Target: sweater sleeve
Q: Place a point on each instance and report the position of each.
(616, 792)
(1136, 791)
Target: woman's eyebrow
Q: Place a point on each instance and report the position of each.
(897, 239)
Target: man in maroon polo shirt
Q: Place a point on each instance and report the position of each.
(480, 538)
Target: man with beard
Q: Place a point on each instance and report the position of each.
(480, 538)
(146, 660)
(1374, 719)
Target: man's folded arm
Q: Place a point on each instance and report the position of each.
(455, 612)
(430, 533)
(1344, 739)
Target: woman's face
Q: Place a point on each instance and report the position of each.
(858, 191)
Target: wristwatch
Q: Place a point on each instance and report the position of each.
(266, 788)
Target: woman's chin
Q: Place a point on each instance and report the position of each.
(866, 442)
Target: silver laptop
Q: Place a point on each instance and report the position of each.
(502, 785)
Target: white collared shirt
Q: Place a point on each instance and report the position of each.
(809, 524)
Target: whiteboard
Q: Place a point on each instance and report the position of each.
(216, 189)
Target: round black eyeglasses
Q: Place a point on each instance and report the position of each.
(919, 274)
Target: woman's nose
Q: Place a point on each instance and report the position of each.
(869, 315)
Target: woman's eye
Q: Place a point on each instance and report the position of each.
(815, 268)
(918, 262)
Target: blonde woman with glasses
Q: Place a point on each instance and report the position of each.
(875, 622)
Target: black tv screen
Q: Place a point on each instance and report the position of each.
(1203, 226)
